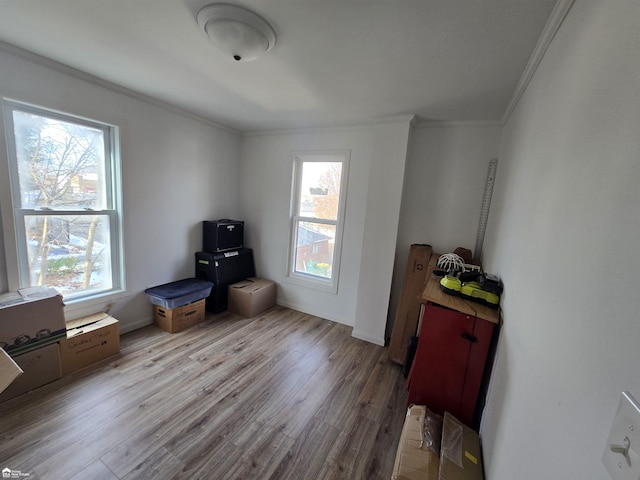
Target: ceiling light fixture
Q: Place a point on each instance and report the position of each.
(237, 31)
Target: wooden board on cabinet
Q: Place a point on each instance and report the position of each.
(433, 294)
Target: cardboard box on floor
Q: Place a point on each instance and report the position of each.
(415, 458)
(30, 318)
(9, 370)
(89, 339)
(460, 454)
(175, 320)
(408, 312)
(251, 296)
(40, 366)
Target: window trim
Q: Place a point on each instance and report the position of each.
(13, 215)
(300, 278)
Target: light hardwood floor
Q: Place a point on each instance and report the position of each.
(283, 395)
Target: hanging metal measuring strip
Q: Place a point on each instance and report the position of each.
(486, 203)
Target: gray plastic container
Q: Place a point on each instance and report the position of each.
(179, 293)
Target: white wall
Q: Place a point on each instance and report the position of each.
(382, 216)
(445, 174)
(444, 184)
(177, 171)
(564, 233)
(266, 174)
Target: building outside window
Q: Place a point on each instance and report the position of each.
(317, 218)
(65, 190)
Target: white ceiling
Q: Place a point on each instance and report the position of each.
(335, 62)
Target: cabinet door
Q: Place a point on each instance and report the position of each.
(449, 362)
(482, 332)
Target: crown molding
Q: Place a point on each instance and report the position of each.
(304, 130)
(100, 82)
(559, 13)
(457, 123)
(410, 119)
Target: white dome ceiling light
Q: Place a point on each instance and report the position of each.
(236, 31)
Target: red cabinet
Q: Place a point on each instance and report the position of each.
(449, 364)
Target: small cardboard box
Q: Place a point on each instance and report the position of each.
(30, 318)
(40, 366)
(9, 370)
(416, 458)
(460, 455)
(251, 296)
(174, 320)
(89, 339)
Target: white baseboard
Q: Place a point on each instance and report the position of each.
(312, 312)
(367, 338)
(131, 326)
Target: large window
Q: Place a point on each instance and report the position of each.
(317, 217)
(66, 202)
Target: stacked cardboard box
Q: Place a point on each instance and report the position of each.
(38, 346)
(31, 324)
(40, 366)
(429, 450)
(30, 318)
(176, 319)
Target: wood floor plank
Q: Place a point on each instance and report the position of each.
(284, 395)
(96, 471)
(309, 453)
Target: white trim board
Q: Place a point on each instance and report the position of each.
(87, 77)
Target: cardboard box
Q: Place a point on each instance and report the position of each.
(174, 320)
(31, 318)
(460, 455)
(9, 370)
(417, 458)
(89, 339)
(408, 312)
(40, 366)
(251, 296)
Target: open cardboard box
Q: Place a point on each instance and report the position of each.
(89, 339)
(9, 370)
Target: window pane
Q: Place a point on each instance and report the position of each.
(314, 249)
(69, 253)
(60, 164)
(320, 190)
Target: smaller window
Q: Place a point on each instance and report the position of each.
(317, 218)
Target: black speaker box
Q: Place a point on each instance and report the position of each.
(223, 269)
(222, 235)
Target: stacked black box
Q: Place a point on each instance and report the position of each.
(223, 269)
(222, 235)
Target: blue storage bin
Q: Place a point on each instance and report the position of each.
(179, 293)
